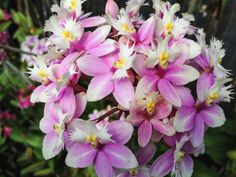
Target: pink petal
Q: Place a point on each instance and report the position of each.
(69, 59)
(108, 46)
(213, 116)
(145, 154)
(139, 66)
(35, 96)
(120, 156)
(97, 36)
(100, 87)
(80, 155)
(112, 9)
(81, 102)
(185, 96)
(102, 166)
(184, 119)
(121, 137)
(164, 128)
(163, 165)
(146, 31)
(186, 166)
(144, 133)
(68, 103)
(46, 124)
(168, 91)
(92, 21)
(194, 48)
(181, 75)
(203, 85)
(146, 84)
(163, 110)
(197, 133)
(135, 117)
(50, 146)
(92, 65)
(123, 92)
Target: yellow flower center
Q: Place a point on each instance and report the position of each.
(180, 156)
(169, 27)
(125, 27)
(57, 127)
(150, 107)
(43, 75)
(92, 140)
(133, 172)
(119, 64)
(212, 97)
(220, 60)
(74, 4)
(164, 59)
(67, 35)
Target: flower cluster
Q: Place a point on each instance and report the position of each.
(143, 67)
(4, 35)
(5, 118)
(33, 45)
(23, 96)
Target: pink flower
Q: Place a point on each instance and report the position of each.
(7, 131)
(104, 148)
(112, 9)
(149, 110)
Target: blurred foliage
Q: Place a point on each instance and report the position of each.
(20, 154)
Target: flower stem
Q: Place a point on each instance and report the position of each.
(112, 111)
(13, 49)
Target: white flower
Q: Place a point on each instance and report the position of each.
(63, 35)
(216, 54)
(40, 71)
(73, 5)
(219, 92)
(162, 54)
(123, 24)
(86, 131)
(125, 62)
(133, 6)
(171, 25)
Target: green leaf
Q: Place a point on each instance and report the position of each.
(1, 14)
(18, 135)
(232, 154)
(26, 156)
(32, 168)
(218, 146)
(4, 26)
(34, 140)
(202, 170)
(44, 172)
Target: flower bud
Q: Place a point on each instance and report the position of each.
(112, 9)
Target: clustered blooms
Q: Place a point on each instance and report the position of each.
(4, 36)
(5, 118)
(23, 96)
(143, 69)
(33, 45)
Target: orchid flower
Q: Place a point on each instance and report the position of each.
(53, 124)
(65, 33)
(144, 155)
(147, 65)
(104, 148)
(194, 116)
(177, 160)
(149, 110)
